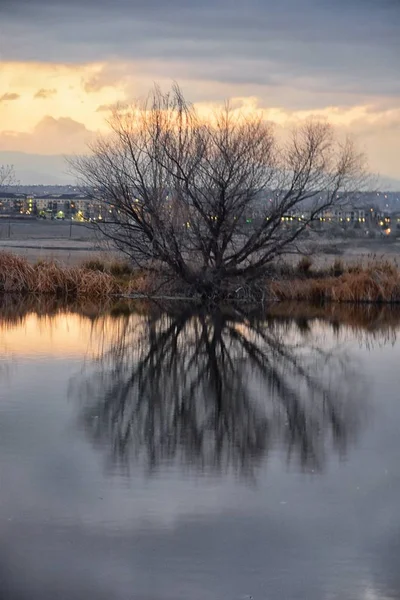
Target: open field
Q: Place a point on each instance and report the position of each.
(72, 243)
(18, 229)
(75, 251)
(360, 251)
(70, 253)
(68, 242)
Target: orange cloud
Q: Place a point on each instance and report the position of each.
(43, 93)
(9, 97)
(111, 107)
(58, 91)
(49, 136)
(108, 75)
(79, 97)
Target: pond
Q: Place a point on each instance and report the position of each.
(166, 452)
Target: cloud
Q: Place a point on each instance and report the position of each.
(8, 97)
(108, 75)
(62, 126)
(43, 93)
(49, 136)
(290, 56)
(374, 128)
(111, 107)
(340, 47)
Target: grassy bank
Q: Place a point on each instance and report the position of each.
(17, 276)
(376, 282)
(94, 278)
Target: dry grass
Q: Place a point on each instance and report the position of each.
(120, 269)
(114, 267)
(130, 280)
(16, 274)
(19, 277)
(377, 282)
(95, 264)
(95, 278)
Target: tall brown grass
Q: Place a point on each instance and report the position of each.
(117, 268)
(376, 282)
(94, 278)
(19, 277)
(136, 281)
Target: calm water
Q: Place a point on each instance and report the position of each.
(157, 454)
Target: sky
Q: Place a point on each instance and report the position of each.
(64, 64)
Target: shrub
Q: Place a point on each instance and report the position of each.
(94, 264)
(337, 268)
(120, 269)
(304, 265)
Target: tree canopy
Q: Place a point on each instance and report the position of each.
(207, 199)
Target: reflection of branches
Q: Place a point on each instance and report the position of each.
(217, 390)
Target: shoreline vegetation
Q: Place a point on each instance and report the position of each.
(96, 279)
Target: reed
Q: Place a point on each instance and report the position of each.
(117, 268)
(377, 283)
(17, 276)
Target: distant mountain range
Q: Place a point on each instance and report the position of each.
(37, 169)
(389, 184)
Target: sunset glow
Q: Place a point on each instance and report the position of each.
(58, 109)
(287, 63)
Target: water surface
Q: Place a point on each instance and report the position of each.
(160, 452)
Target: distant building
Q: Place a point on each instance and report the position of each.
(71, 205)
(14, 203)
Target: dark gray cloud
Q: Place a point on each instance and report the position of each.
(344, 47)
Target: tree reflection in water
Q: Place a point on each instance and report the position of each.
(219, 390)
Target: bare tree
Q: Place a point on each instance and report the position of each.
(212, 201)
(7, 176)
